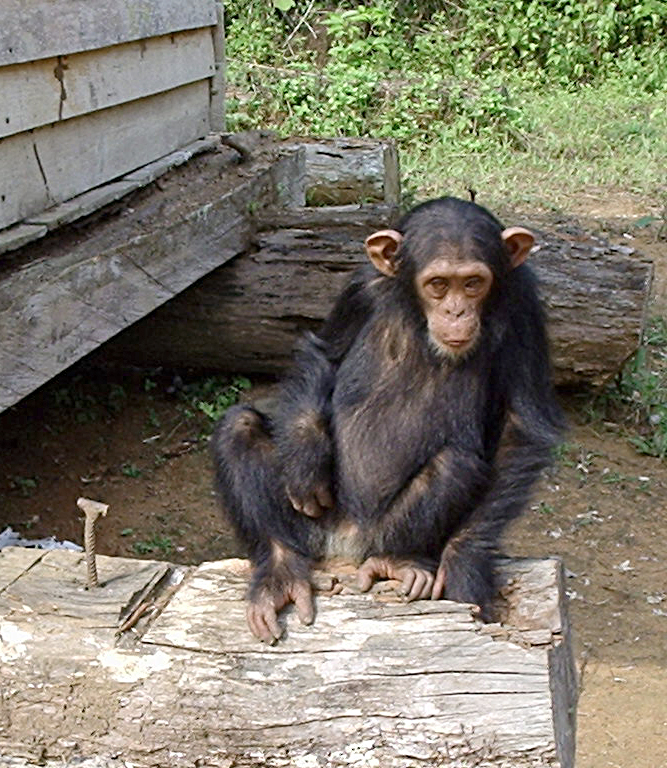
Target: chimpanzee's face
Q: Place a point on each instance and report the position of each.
(451, 283)
(452, 294)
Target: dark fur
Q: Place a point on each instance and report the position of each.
(431, 460)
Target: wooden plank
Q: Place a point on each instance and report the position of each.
(107, 280)
(50, 90)
(89, 202)
(15, 561)
(218, 82)
(20, 235)
(57, 162)
(37, 29)
(374, 682)
(55, 585)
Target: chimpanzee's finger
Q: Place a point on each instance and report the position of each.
(417, 586)
(324, 497)
(408, 582)
(438, 590)
(294, 501)
(257, 621)
(428, 586)
(312, 508)
(303, 600)
(365, 577)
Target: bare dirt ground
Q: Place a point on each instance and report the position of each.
(131, 441)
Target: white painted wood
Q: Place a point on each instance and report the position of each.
(47, 91)
(55, 163)
(39, 29)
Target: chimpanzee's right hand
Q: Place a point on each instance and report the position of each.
(312, 503)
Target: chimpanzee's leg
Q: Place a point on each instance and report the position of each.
(278, 539)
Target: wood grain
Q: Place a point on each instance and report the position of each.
(374, 682)
(51, 90)
(108, 280)
(255, 308)
(57, 162)
(40, 29)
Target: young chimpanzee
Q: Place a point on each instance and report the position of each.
(412, 427)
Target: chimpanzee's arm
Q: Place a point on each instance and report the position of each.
(302, 427)
(532, 428)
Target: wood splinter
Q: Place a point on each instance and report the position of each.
(92, 510)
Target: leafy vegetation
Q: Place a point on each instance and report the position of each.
(638, 397)
(212, 396)
(527, 104)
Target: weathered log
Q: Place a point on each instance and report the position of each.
(247, 315)
(350, 171)
(374, 682)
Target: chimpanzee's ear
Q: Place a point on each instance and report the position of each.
(518, 242)
(381, 248)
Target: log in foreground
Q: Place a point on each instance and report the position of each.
(247, 315)
(374, 682)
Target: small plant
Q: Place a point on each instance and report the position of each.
(153, 418)
(117, 398)
(131, 470)
(214, 395)
(545, 509)
(25, 485)
(638, 397)
(157, 543)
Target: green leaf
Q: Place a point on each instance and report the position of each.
(284, 5)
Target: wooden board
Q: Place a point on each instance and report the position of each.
(374, 681)
(54, 163)
(50, 90)
(108, 280)
(351, 171)
(39, 29)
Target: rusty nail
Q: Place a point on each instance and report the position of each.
(92, 510)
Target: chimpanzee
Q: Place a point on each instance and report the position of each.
(412, 427)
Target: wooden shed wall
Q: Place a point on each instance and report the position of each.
(92, 90)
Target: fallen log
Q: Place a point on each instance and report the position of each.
(246, 315)
(374, 681)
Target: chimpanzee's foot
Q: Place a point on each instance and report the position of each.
(416, 581)
(263, 608)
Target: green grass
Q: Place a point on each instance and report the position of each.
(530, 114)
(604, 136)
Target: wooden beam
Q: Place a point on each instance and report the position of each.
(217, 118)
(41, 29)
(595, 294)
(75, 294)
(351, 171)
(52, 90)
(374, 681)
(57, 162)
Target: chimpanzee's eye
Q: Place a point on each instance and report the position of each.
(438, 285)
(474, 284)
